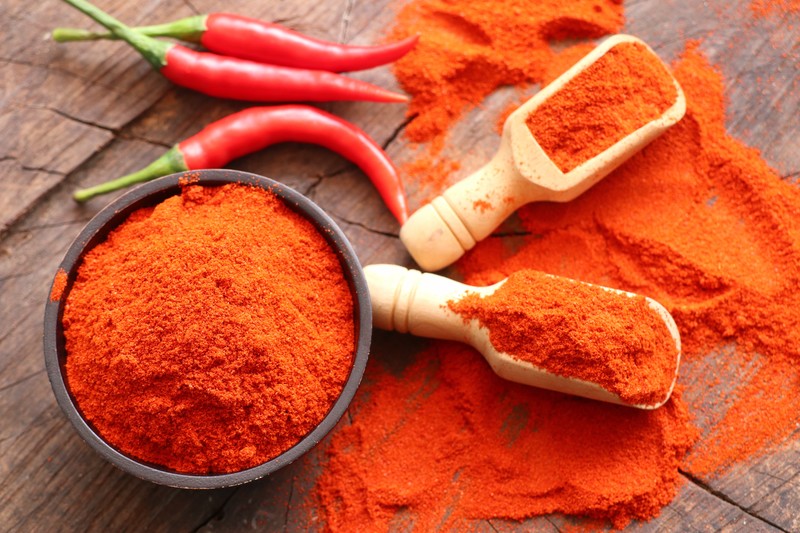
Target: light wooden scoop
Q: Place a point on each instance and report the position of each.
(409, 301)
(440, 232)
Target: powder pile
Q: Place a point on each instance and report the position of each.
(468, 49)
(621, 92)
(209, 333)
(581, 331)
(713, 234)
(463, 443)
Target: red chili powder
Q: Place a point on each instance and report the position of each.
(618, 94)
(59, 284)
(481, 205)
(581, 331)
(429, 173)
(446, 440)
(764, 8)
(713, 234)
(467, 50)
(209, 333)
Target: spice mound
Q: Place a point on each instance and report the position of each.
(467, 444)
(618, 94)
(210, 333)
(580, 331)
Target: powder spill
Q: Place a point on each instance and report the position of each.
(467, 50)
(581, 331)
(713, 234)
(209, 333)
(467, 444)
(619, 93)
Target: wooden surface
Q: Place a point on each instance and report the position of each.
(80, 114)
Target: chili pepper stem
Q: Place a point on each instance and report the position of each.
(153, 50)
(171, 161)
(186, 29)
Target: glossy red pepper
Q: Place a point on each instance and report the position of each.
(265, 42)
(238, 79)
(258, 127)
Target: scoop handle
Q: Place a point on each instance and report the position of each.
(409, 301)
(439, 233)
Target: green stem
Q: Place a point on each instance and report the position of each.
(154, 51)
(171, 161)
(186, 29)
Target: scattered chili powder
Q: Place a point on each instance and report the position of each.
(465, 444)
(764, 8)
(618, 94)
(581, 331)
(59, 285)
(209, 333)
(429, 174)
(713, 234)
(467, 50)
(481, 205)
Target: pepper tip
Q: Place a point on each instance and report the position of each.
(400, 98)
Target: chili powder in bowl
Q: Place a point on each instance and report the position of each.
(207, 329)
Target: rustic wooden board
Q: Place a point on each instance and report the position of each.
(79, 114)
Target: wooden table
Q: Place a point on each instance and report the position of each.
(83, 113)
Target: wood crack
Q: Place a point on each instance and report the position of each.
(365, 227)
(60, 70)
(311, 188)
(555, 526)
(29, 168)
(288, 505)
(73, 118)
(129, 137)
(219, 513)
(398, 130)
(348, 11)
(724, 497)
(21, 380)
(43, 170)
(791, 175)
(773, 476)
(191, 7)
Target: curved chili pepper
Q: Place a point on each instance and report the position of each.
(258, 127)
(265, 42)
(238, 79)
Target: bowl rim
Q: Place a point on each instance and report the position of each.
(152, 193)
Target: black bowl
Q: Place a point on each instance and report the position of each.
(153, 193)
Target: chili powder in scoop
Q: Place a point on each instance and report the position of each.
(581, 331)
(618, 94)
(210, 333)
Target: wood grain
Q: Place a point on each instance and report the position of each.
(78, 114)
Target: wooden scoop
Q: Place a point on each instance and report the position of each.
(521, 172)
(409, 301)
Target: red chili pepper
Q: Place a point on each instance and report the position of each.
(238, 79)
(258, 127)
(265, 42)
